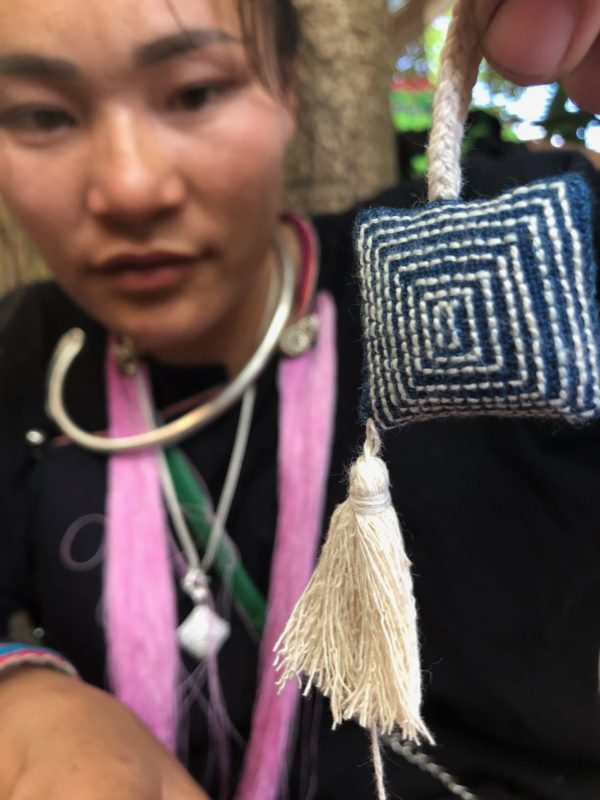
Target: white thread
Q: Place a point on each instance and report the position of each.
(476, 354)
(231, 480)
(483, 208)
(363, 565)
(378, 764)
(464, 295)
(370, 505)
(177, 518)
(409, 358)
(184, 537)
(584, 299)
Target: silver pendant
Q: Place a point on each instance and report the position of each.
(203, 632)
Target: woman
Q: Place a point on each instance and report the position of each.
(142, 153)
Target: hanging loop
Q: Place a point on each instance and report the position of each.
(458, 73)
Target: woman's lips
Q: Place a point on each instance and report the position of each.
(150, 272)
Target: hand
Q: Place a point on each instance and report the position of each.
(541, 41)
(62, 739)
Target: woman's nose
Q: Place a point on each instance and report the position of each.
(133, 175)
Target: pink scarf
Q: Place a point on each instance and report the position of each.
(139, 587)
(307, 402)
(139, 593)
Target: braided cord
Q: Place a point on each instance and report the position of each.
(414, 756)
(458, 72)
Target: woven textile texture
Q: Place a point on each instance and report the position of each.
(486, 307)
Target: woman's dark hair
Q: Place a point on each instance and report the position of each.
(272, 31)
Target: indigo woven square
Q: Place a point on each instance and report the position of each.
(486, 307)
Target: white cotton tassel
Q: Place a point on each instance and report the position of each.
(353, 632)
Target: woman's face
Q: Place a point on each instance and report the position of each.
(143, 158)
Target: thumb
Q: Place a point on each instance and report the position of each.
(528, 41)
(541, 41)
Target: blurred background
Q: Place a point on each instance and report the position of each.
(367, 79)
(541, 116)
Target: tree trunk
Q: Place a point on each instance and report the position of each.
(344, 150)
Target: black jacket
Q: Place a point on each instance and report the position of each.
(501, 520)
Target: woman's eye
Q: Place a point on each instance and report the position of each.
(38, 120)
(195, 98)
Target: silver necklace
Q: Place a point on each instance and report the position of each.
(71, 344)
(203, 632)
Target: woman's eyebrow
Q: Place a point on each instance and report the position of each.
(32, 65)
(185, 41)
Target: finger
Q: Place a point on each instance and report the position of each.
(110, 779)
(583, 84)
(537, 41)
(529, 38)
(179, 785)
(12, 765)
(100, 790)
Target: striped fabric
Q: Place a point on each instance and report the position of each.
(13, 654)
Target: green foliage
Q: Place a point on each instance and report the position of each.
(418, 166)
(411, 110)
(433, 43)
(493, 93)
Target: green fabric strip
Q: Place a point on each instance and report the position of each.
(227, 564)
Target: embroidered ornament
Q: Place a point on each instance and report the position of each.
(484, 307)
(478, 308)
